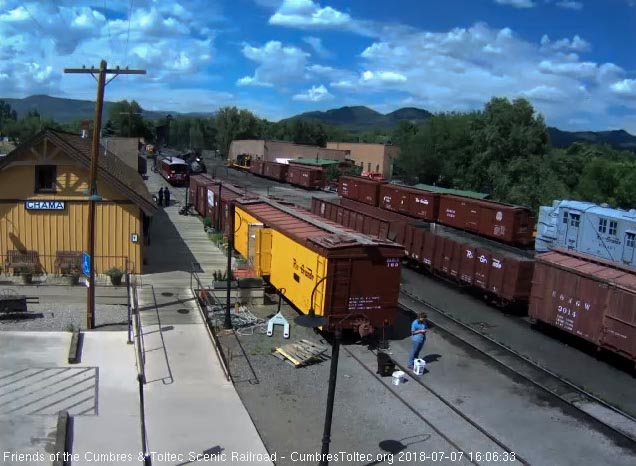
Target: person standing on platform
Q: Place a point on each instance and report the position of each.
(160, 196)
(418, 337)
(166, 195)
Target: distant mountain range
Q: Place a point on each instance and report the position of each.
(360, 119)
(355, 119)
(68, 110)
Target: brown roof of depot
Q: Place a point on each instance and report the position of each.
(109, 167)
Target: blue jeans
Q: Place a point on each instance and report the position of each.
(415, 350)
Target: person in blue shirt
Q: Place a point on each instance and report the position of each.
(418, 337)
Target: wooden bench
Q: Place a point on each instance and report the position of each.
(17, 259)
(68, 260)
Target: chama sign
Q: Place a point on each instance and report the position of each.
(44, 205)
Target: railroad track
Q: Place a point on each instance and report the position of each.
(609, 417)
(469, 424)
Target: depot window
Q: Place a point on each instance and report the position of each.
(565, 217)
(575, 220)
(630, 240)
(613, 227)
(602, 225)
(45, 177)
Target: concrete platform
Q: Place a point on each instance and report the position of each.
(191, 408)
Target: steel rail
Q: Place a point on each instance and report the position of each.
(445, 402)
(534, 365)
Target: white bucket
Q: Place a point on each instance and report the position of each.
(398, 377)
(418, 366)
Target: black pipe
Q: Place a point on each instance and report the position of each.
(230, 245)
(333, 372)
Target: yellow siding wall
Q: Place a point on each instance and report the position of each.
(241, 222)
(289, 258)
(47, 232)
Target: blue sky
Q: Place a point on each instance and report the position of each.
(574, 60)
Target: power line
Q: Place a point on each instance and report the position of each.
(110, 38)
(129, 19)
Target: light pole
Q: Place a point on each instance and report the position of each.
(311, 320)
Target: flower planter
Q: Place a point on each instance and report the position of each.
(27, 278)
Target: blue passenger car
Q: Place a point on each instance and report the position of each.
(590, 229)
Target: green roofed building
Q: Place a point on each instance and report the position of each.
(456, 192)
(315, 162)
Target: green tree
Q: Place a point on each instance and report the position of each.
(232, 123)
(127, 120)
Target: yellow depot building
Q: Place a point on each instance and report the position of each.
(44, 207)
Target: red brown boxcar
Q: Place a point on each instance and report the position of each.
(360, 189)
(199, 193)
(497, 269)
(309, 177)
(257, 167)
(590, 298)
(275, 171)
(503, 222)
(410, 201)
(350, 218)
(398, 222)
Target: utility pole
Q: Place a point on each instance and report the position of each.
(93, 196)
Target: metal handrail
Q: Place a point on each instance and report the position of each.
(141, 368)
(130, 307)
(194, 277)
(142, 419)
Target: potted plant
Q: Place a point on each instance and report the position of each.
(27, 275)
(115, 275)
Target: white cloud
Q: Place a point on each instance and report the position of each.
(462, 68)
(545, 93)
(569, 4)
(576, 43)
(315, 94)
(307, 14)
(382, 77)
(277, 64)
(517, 3)
(625, 88)
(316, 44)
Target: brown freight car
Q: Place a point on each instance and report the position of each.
(500, 270)
(354, 280)
(587, 297)
(257, 167)
(351, 218)
(360, 189)
(398, 222)
(200, 193)
(275, 171)
(410, 201)
(308, 177)
(503, 222)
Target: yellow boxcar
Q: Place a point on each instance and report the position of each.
(355, 280)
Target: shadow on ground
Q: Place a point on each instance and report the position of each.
(167, 251)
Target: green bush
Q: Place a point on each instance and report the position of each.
(207, 222)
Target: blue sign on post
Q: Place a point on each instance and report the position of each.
(86, 264)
